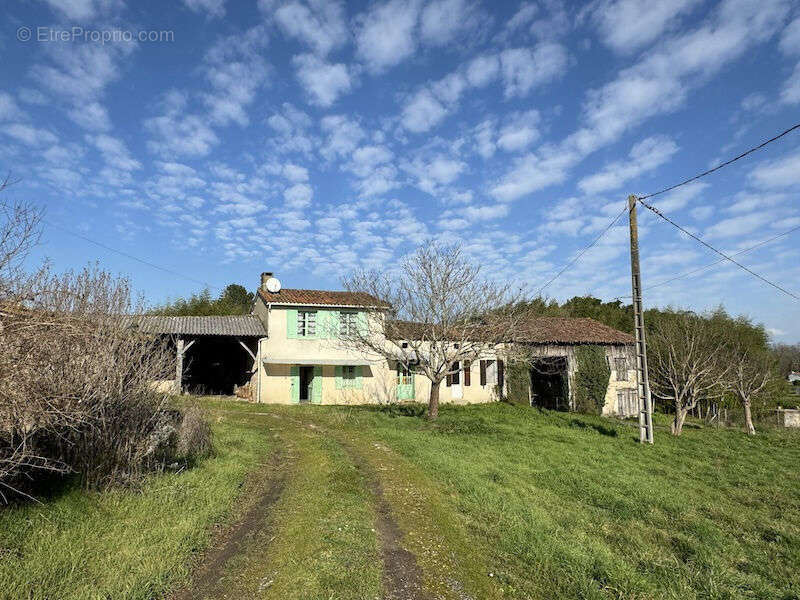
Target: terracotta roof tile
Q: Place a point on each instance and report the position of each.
(569, 330)
(321, 297)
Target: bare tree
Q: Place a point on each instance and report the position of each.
(750, 376)
(438, 313)
(687, 363)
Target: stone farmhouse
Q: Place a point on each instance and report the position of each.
(289, 351)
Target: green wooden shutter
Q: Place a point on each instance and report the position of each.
(358, 382)
(322, 325)
(316, 390)
(333, 324)
(295, 380)
(339, 382)
(361, 323)
(291, 324)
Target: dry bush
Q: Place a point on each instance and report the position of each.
(194, 435)
(76, 391)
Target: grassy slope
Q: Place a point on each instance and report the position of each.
(552, 505)
(125, 544)
(571, 506)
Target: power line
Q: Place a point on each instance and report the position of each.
(719, 166)
(582, 252)
(722, 254)
(721, 260)
(130, 256)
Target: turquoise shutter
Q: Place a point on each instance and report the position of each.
(291, 325)
(295, 380)
(361, 323)
(358, 382)
(333, 324)
(339, 382)
(316, 390)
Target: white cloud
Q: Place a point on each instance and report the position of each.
(737, 226)
(520, 132)
(176, 133)
(790, 92)
(533, 172)
(366, 158)
(386, 34)
(627, 25)
(435, 172)
(790, 38)
(114, 152)
(298, 196)
(645, 156)
(295, 173)
(344, 135)
(449, 88)
(8, 107)
(442, 20)
(422, 112)
(779, 173)
(324, 82)
(29, 135)
(525, 68)
(235, 69)
(92, 117)
(679, 198)
(319, 23)
(484, 139)
(701, 213)
(483, 70)
(212, 8)
(84, 10)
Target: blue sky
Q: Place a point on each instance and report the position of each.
(311, 137)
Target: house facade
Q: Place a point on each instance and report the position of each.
(294, 348)
(305, 357)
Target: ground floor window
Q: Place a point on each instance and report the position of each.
(348, 377)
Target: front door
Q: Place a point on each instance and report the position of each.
(306, 383)
(405, 383)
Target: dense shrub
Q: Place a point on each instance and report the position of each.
(76, 389)
(591, 379)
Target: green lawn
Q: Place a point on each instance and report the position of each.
(493, 501)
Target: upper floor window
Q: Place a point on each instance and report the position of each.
(306, 323)
(348, 323)
(621, 367)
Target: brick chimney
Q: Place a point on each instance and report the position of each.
(264, 277)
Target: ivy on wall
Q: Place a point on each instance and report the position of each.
(591, 379)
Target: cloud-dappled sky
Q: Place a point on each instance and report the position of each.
(311, 137)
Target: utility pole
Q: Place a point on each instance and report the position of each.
(643, 381)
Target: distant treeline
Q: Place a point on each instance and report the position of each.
(234, 300)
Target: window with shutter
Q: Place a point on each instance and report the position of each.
(621, 367)
(455, 378)
(467, 369)
(306, 323)
(483, 372)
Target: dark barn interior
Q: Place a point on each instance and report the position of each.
(215, 364)
(549, 383)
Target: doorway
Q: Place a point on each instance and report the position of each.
(306, 383)
(549, 387)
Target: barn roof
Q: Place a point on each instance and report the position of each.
(538, 330)
(321, 298)
(235, 325)
(569, 330)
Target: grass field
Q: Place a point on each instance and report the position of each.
(491, 501)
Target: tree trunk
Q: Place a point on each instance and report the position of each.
(748, 418)
(680, 417)
(433, 401)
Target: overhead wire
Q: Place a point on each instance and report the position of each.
(713, 249)
(582, 252)
(721, 165)
(677, 276)
(130, 256)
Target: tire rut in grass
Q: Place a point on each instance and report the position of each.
(402, 576)
(256, 521)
